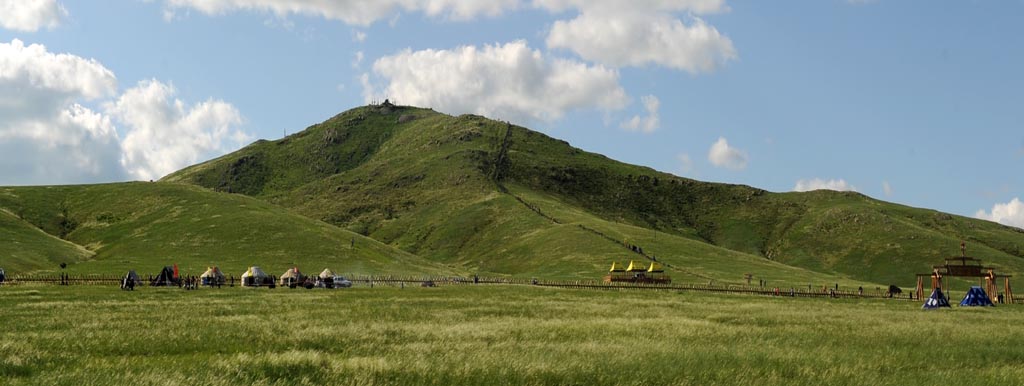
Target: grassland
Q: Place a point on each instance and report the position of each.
(145, 226)
(493, 335)
(27, 248)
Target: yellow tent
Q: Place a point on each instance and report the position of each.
(616, 267)
(635, 266)
(655, 268)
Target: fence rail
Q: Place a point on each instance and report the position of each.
(397, 281)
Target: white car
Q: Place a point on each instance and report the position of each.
(337, 282)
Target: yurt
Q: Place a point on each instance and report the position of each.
(212, 277)
(292, 278)
(328, 279)
(255, 277)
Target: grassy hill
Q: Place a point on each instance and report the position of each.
(146, 226)
(493, 197)
(27, 248)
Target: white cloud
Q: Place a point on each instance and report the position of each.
(1010, 213)
(839, 185)
(886, 188)
(48, 135)
(611, 32)
(647, 124)
(30, 15)
(32, 67)
(724, 156)
(352, 12)
(631, 38)
(619, 6)
(685, 163)
(165, 135)
(509, 81)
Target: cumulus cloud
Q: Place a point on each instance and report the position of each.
(649, 123)
(45, 133)
(509, 81)
(164, 134)
(632, 38)
(30, 15)
(839, 185)
(1010, 213)
(693, 6)
(48, 134)
(611, 32)
(724, 156)
(886, 188)
(352, 12)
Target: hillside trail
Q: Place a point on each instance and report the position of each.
(502, 163)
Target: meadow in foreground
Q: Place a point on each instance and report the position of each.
(492, 335)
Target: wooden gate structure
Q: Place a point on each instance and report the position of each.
(965, 266)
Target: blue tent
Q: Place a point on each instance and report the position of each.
(936, 300)
(976, 297)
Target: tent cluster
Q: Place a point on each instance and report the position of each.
(976, 296)
(292, 278)
(253, 277)
(636, 272)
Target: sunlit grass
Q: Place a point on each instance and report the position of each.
(492, 335)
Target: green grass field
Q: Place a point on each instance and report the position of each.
(493, 335)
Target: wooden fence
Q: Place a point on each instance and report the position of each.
(417, 281)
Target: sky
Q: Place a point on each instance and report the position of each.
(913, 101)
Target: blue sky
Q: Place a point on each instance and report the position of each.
(916, 102)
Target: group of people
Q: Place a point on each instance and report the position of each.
(192, 282)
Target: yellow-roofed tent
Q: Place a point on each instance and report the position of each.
(635, 266)
(655, 268)
(616, 267)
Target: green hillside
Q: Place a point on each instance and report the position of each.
(145, 226)
(27, 248)
(492, 197)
